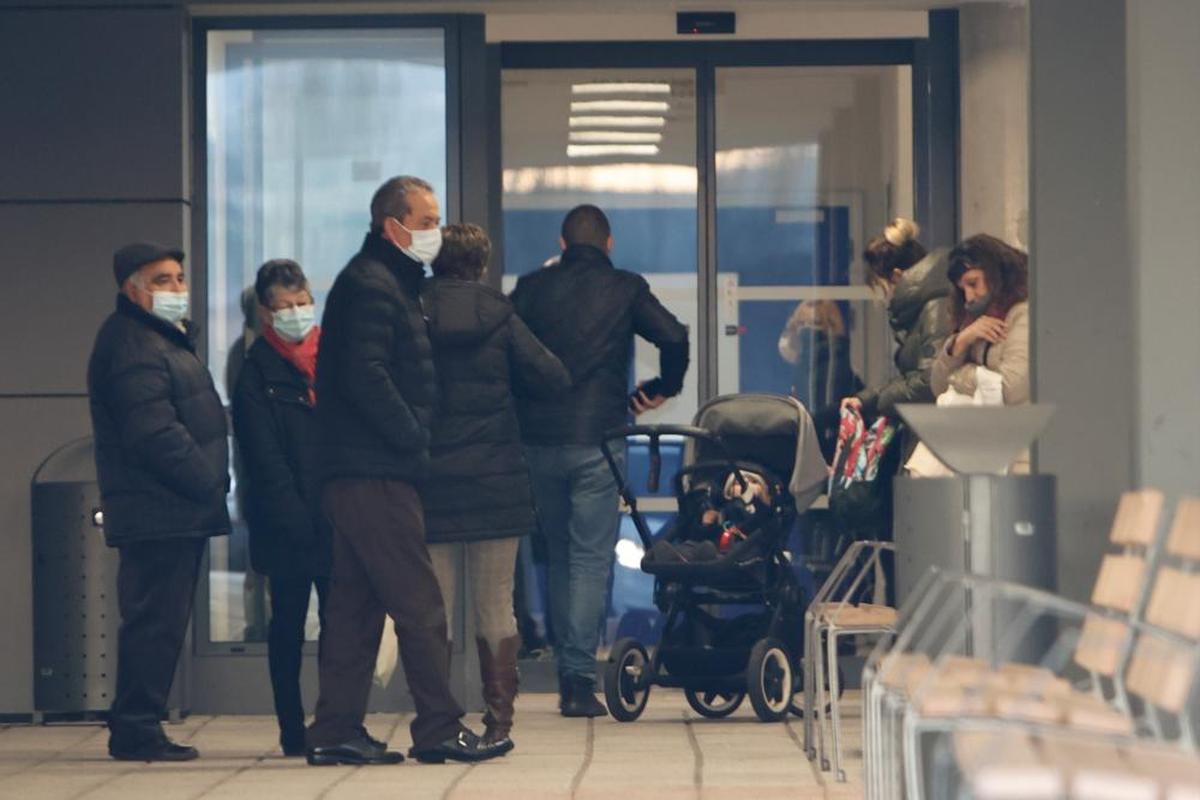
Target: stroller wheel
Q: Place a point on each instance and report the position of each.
(627, 680)
(769, 680)
(713, 705)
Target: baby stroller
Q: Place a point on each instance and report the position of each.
(733, 608)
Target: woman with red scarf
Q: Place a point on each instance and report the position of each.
(275, 426)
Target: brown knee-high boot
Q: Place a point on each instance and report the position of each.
(498, 671)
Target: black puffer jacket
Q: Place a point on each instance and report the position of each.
(375, 381)
(478, 486)
(919, 314)
(161, 440)
(587, 313)
(276, 431)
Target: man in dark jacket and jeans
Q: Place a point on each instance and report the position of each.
(163, 467)
(587, 313)
(376, 390)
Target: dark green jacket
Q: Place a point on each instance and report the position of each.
(919, 313)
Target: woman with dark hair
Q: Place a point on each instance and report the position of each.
(990, 311)
(915, 282)
(478, 500)
(275, 427)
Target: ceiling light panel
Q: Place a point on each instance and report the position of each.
(620, 88)
(649, 106)
(617, 137)
(617, 122)
(588, 150)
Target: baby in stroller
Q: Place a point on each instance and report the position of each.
(731, 604)
(712, 521)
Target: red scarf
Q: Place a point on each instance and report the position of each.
(302, 355)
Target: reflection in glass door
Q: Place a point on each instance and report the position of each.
(301, 127)
(810, 163)
(623, 140)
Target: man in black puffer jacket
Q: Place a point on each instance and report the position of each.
(587, 313)
(163, 467)
(375, 395)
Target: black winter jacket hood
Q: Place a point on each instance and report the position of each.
(924, 281)
(462, 313)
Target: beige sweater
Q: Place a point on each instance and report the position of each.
(1010, 358)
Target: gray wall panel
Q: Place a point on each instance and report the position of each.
(30, 429)
(1164, 115)
(57, 266)
(93, 103)
(1082, 281)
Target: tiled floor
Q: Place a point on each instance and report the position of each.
(669, 753)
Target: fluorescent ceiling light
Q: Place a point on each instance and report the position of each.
(580, 106)
(620, 88)
(613, 137)
(585, 150)
(618, 122)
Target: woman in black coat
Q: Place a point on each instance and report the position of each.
(478, 496)
(275, 427)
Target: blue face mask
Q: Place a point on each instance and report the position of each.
(170, 306)
(293, 324)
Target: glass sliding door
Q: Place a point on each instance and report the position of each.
(744, 194)
(621, 139)
(624, 140)
(811, 162)
(301, 128)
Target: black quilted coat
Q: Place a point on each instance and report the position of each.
(162, 455)
(375, 381)
(478, 486)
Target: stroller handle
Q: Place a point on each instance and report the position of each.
(655, 433)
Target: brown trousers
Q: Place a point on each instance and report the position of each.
(381, 566)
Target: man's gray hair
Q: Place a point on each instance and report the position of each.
(391, 199)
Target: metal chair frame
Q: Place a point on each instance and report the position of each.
(821, 626)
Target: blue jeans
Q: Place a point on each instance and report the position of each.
(577, 511)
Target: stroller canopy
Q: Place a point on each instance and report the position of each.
(767, 429)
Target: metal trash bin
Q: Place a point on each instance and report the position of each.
(978, 521)
(75, 616)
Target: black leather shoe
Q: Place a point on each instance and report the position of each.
(580, 699)
(161, 750)
(358, 751)
(376, 743)
(465, 746)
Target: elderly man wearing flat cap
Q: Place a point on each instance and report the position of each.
(163, 466)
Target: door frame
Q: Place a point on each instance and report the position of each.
(934, 63)
(231, 677)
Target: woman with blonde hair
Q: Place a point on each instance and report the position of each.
(915, 282)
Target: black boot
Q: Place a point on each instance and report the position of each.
(579, 697)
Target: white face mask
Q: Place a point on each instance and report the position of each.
(293, 324)
(425, 244)
(170, 306)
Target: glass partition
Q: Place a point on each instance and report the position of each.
(624, 140)
(301, 127)
(811, 163)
